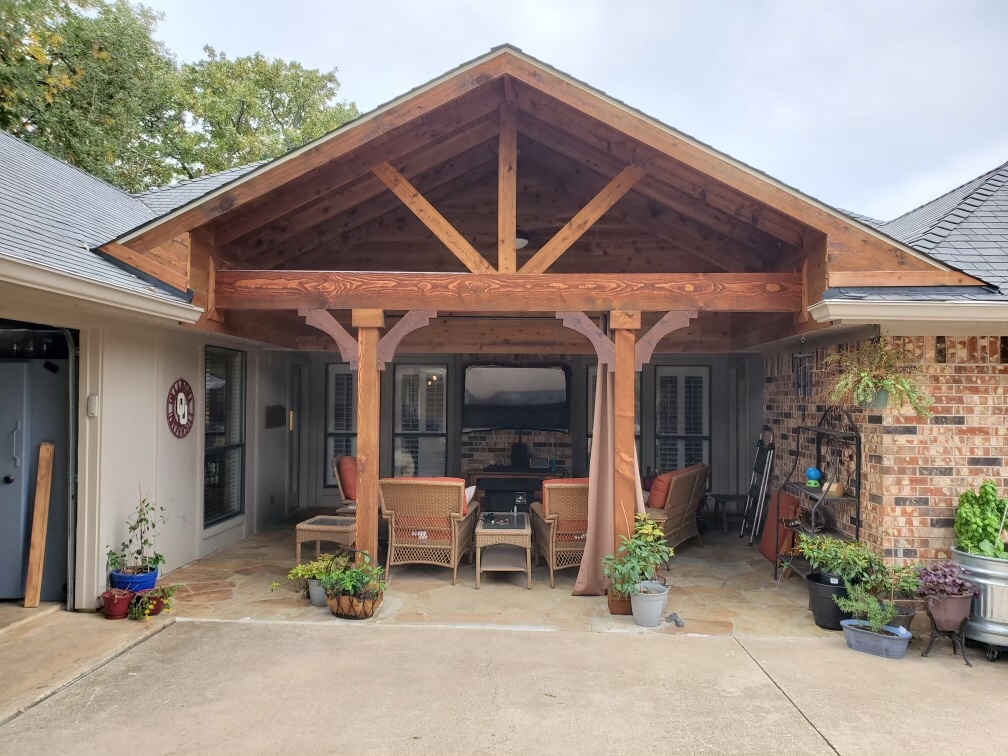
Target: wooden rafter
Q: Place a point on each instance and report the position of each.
(431, 218)
(585, 218)
(293, 290)
(671, 321)
(325, 322)
(842, 278)
(411, 321)
(580, 322)
(507, 191)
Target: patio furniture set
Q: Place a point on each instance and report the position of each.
(432, 521)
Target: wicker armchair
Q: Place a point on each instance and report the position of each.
(678, 518)
(560, 523)
(428, 522)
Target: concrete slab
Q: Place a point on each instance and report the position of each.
(267, 688)
(53, 650)
(13, 613)
(864, 704)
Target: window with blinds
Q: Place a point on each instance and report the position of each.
(682, 417)
(341, 418)
(420, 439)
(224, 431)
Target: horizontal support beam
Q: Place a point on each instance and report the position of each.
(855, 278)
(463, 292)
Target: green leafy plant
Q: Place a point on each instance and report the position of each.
(142, 603)
(862, 604)
(860, 373)
(895, 581)
(637, 557)
(136, 554)
(359, 579)
(980, 520)
(852, 560)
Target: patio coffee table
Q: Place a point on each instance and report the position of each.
(341, 530)
(508, 540)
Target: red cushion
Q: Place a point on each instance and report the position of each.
(347, 467)
(659, 489)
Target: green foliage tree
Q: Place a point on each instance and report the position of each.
(86, 81)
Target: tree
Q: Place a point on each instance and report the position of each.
(86, 81)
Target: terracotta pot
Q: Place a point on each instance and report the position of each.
(619, 604)
(115, 607)
(351, 607)
(949, 611)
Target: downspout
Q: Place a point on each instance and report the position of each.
(72, 390)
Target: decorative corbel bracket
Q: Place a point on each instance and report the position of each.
(671, 321)
(604, 348)
(325, 322)
(411, 321)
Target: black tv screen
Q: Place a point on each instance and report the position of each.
(520, 398)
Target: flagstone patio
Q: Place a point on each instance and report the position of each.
(724, 588)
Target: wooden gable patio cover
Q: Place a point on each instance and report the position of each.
(404, 224)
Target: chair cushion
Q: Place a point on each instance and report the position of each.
(347, 467)
(659, 489)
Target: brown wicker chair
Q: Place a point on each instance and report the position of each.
(428, 522)
(560, 523)
(678, 517)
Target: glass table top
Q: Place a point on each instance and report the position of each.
(330, 521)
(503, 521)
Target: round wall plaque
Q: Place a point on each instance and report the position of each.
(181, 408)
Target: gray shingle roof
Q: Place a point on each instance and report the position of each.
(53, 214)
(966, 228)
(916, 294)
(167, 198)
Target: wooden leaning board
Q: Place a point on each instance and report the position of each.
(40, 525)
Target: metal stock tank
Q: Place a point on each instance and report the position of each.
(988, 621)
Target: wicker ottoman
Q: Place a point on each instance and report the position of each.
(341, 530)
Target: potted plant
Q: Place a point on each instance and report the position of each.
(834, 560)
(149, 603)
(116, 603)
(948, 595)
(870, 629)
(354, 590)
(895, 583)
(134, 565)
(874, 375)
(313, 571)
(632, 569)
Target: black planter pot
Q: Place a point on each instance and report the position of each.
(825, 612)
(904, 616)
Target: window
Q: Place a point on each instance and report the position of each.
(224, 428)
(341, 418)
(421, 420)
(682, 417)
(590, 393)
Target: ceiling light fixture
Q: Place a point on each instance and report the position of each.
(521, 239)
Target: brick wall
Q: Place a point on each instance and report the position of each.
(482, 448)
(913, 469)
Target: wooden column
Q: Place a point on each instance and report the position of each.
(624, 325)
(368, 324)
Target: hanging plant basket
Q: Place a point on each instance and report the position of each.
(351, 607)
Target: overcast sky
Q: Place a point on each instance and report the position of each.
(874, 106)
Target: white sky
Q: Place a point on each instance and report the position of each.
(874, 106)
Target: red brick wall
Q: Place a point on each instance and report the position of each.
(913, 469)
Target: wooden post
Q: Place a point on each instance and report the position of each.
(40, 524)
(368, 324)
(625, 325)
(507, 207)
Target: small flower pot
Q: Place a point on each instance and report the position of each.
(316, 593)
(890, 644)
(136, 582)
(115, 607)
(904, 616)
(648, 604)
(880, 402)
(618, 603)
(949, 611)
(825, 612)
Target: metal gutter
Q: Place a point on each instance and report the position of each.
(952, 311)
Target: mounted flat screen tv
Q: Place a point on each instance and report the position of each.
(519, 398)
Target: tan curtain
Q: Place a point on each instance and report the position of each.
(601, 472)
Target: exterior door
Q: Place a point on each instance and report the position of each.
(15, 477)
(682, 417)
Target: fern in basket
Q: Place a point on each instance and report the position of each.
(874, 366)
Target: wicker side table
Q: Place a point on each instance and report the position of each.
(341, 530)
(508, 540)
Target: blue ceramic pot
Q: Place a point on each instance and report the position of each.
(130, 582)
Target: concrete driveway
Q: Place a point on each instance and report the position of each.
(268, 688)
